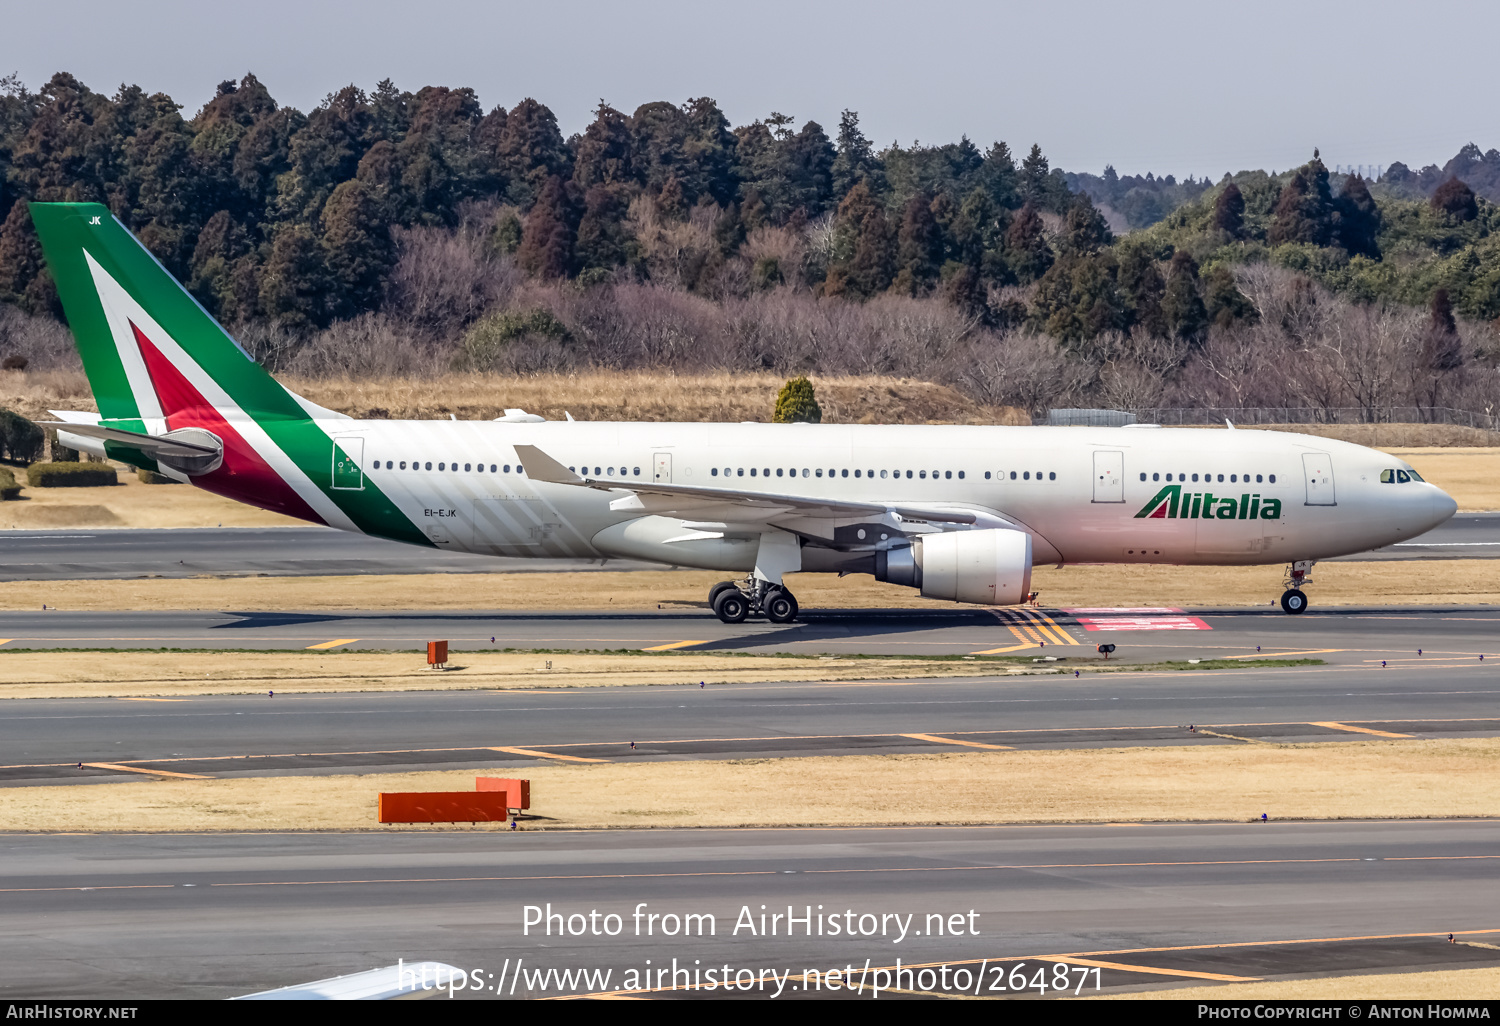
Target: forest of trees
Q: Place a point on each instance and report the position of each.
(397, 232)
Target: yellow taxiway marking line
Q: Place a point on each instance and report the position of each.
(1279, 655)
(1158, 970)
(672, 645)
(148, 772)
(954, 741)
(6, 641)
(546, 755)
(332, 644)
(1332, 725)
(1043, 624)
(1012, 648)
(155, 700)
(1056, 627)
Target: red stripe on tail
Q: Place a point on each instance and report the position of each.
(245, 476)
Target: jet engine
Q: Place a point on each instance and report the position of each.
(992, 567)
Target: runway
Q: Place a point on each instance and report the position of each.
(1148, 905)
(314, 551)
(1340, 634)
(257, 735)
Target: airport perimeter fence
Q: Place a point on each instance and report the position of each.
(1247, 416)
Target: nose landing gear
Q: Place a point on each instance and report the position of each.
(734, 602)
(1293, 601)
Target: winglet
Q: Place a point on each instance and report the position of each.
(541, 467)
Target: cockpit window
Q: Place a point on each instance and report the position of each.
(1387, 476)
(1402, 477)
(1415, 476)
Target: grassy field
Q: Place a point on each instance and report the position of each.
(599, 395)
(1439, 582)
(125, 674)
(1375, 780)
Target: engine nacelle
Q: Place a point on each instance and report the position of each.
(992, 567)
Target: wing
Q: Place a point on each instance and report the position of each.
(740, 504)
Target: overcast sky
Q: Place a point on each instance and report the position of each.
(1154, 85)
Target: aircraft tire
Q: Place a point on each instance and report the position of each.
(780, 606)
(731, 606)
(1293, 601)
(716, 590)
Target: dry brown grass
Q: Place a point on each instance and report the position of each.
(648, 395)
(1439, 985)
(1374, 780)
(1388, 436)
(600, 395)
(177, 674)
(132, 504)
(33, 393)
(1440, 582)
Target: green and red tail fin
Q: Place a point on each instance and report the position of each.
(124, 307)
(157, 361)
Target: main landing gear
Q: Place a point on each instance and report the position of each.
(1293, 601)
(735, 601)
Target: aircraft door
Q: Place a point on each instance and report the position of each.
(348, 462)
(1109, 477)
(663, 468)
(1317, 468)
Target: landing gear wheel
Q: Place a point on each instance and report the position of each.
(780, 606)
(1293, 601)
(731, 606)
(717, 590)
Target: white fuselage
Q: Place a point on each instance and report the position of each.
(1080, 492)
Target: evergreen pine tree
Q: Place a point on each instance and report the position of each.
(1085, 230)
(1181, 305)
(796, 403)
(1359, 218)
(294, 281)
(1442, 350)
(604, 154)
(356, 249)
(1142, 288)
(863, 252)
(1034, 177)
(919, 248)
(1229, 211)
(855, 161)
(1305, 209)
(547, 241)
(603, 239)
(1223, 301)
(1026, 249)
(1455, 199)
(530, 150)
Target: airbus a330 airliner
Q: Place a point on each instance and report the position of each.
(961, 513)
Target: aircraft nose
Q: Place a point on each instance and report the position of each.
(1443, 506)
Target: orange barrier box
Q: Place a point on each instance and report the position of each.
(444, 806)
(520, 790)
(437, 653)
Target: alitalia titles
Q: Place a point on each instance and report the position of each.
(1172, 504)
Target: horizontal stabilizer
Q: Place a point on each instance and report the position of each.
(151, 445)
